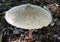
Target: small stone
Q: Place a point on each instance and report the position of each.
(58, 38)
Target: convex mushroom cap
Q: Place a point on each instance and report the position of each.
(28, 16)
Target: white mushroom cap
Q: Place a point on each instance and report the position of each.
(28, 16)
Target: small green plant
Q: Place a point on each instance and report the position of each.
(7, 4)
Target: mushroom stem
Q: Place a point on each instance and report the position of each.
(30, 35)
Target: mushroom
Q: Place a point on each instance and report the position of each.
(28, 16)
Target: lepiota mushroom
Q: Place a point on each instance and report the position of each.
(28, 16)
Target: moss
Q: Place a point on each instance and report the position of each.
(0, 40)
